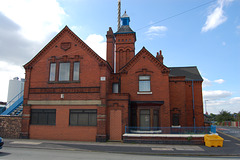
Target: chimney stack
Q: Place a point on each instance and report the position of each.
(159, 56)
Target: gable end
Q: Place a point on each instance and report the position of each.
(137, 57)
(55, 39)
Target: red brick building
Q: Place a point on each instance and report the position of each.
(71, 93)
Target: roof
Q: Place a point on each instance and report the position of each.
(190, 73)
(144, 53)
(124, 29)
(125, 15)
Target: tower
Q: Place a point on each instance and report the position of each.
(125, 39)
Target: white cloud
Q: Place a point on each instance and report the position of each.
(238, 27)
(216, 94)
(235, 100)
(153, 29)
(230, 104)
(156, 31)
(216, 17)
(219, 81)
(76, 29)
(97, 43)
(37, 19)
(206, 82)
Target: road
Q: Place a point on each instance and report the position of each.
(8, 153)
(232, 131)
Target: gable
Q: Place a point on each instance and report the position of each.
(144, 53)
(65, 46)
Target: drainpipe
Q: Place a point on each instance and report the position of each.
(193, 106)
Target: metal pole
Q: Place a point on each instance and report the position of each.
(193, 104)
(206, 106)
(119, 14)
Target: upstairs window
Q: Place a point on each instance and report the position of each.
(76, 68)
(52, 74)
(64, 71)
(144, 84)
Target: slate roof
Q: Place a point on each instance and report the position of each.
(190, 73)
(124, 29)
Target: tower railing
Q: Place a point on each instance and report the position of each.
(170, 130)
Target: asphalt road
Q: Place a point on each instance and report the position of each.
(231, 131)
(45, 149)
(8, 153)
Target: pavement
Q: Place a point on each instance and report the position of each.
(231, 146)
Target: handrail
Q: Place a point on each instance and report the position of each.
(169, 130)
(18, 95)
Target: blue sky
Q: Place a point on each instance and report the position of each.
(202, 33)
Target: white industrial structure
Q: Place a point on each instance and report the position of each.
(15, 88)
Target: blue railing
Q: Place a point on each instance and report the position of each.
(169, 130)
(14, 104)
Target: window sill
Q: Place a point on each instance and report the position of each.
(62, 82)
(43, 124)
(176, 126)
(81, 126)
(144, 92)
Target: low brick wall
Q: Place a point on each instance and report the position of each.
(10, 126)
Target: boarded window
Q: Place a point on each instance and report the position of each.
(175, 120)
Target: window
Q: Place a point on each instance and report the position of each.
(155, 118)
(64, 71)
(149, 119)
(52, 74)
(43, 116)
(145, 119)
(144, 84)
(76, 67)
(175, 120)
(115, 88)
(83, 117)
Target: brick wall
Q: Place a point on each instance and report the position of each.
(10, 126)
